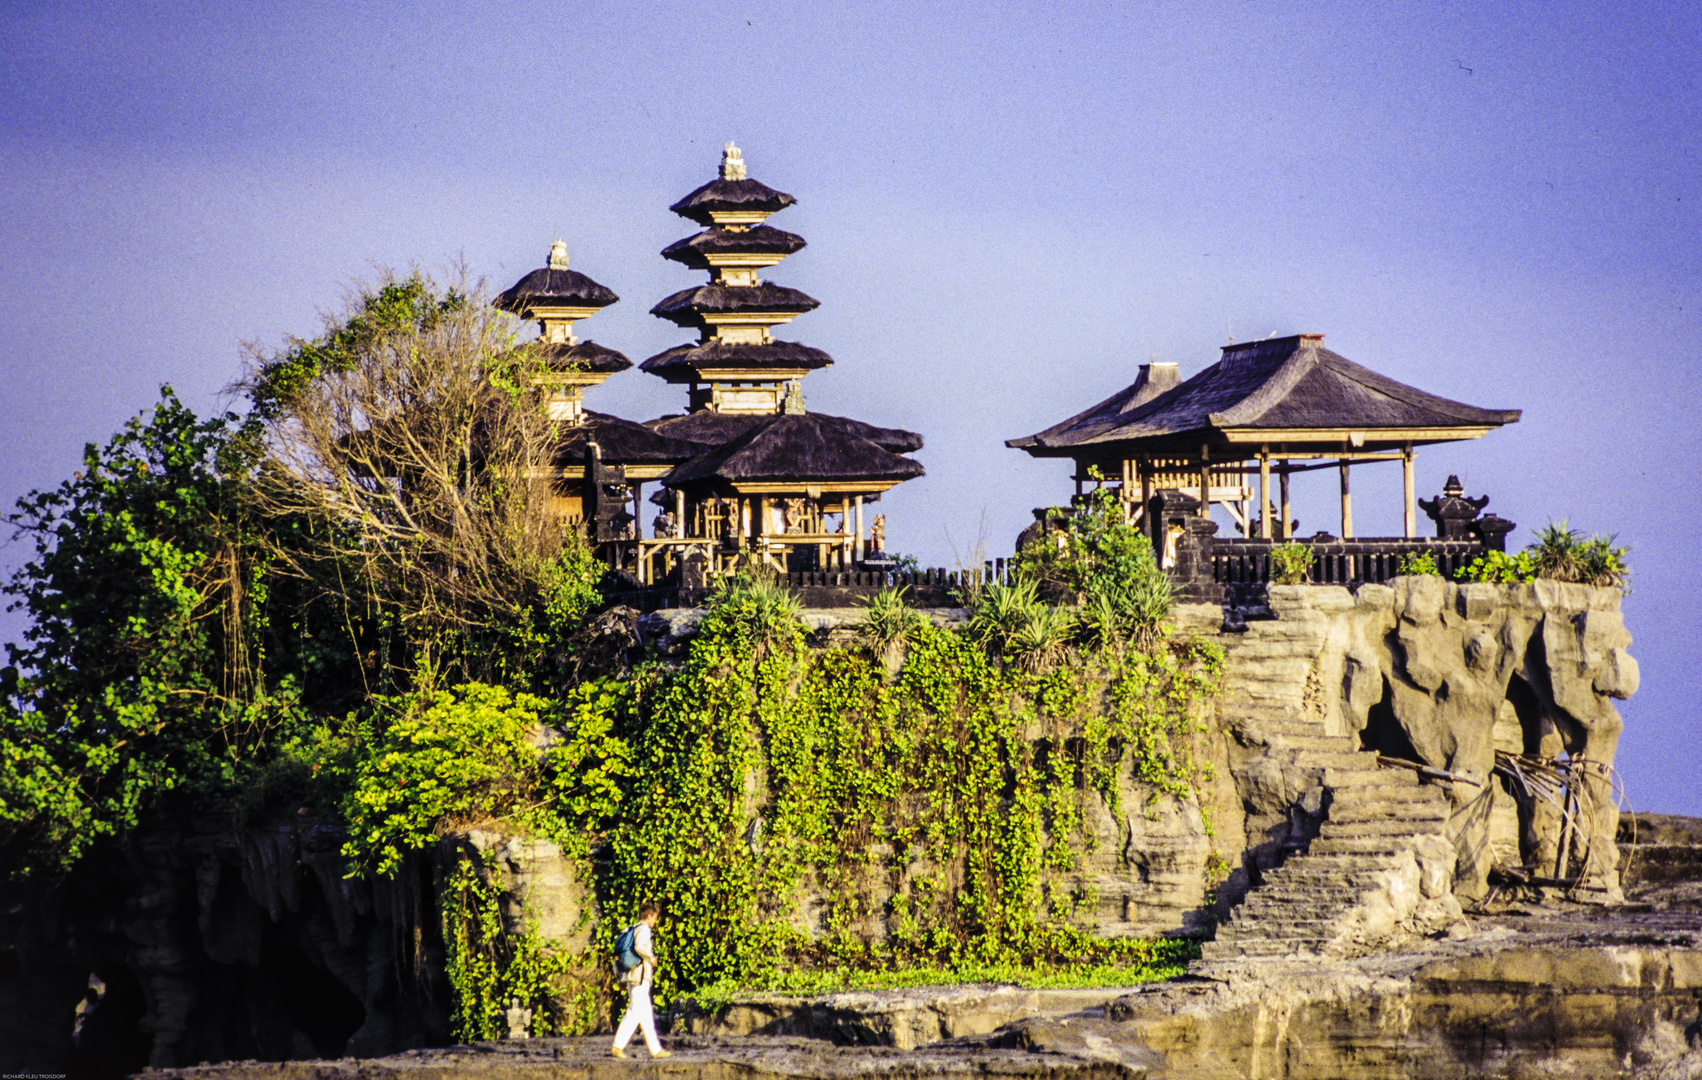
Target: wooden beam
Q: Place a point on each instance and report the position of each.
(1287, 520)
(1345, 435)
(1205, 481)
(857, 544)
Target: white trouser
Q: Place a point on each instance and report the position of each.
(638, 1014)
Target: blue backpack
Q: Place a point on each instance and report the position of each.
(626, 957)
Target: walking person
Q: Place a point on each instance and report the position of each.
(639, 977)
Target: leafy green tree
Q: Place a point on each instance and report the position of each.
(142, 671)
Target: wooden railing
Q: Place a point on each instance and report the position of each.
(933, 588)
(1336, 562)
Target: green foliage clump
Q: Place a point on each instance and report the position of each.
(1104, 564)
(1418, 564)
(489, 967)
(1558, 553)
(1564, 554)
(1291, 563)
(143, 671)
(396, 308)
(471, 755)
(1499, 568)
(888, 620)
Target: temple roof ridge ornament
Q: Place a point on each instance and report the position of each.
(732, 163)
(558, 255)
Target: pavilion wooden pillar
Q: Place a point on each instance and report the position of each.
(1287, 514)
(1264, 493)
(1145, 468)
(1409, 509)
(739, 521)
(857, 541)
(1347, 505)
(637, 510)
(679, 512)
(1205, 482)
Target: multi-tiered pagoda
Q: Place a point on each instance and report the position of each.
(782, 483)
(599, 461)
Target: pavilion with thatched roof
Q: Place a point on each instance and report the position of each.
(1282, 406)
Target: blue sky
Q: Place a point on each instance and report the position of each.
(1009, 207)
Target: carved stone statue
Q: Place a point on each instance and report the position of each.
(665, 527)
(558, 255)
(732, 163)
(877, 534)
(519, 1020)
(796, 512)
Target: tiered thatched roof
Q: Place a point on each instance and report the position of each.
(688, 306)
(793, 448)
(690, 363)
(584, 356)
(721, 194)
(693, 251)
(717, 429)
(549, 286)
(622, 442)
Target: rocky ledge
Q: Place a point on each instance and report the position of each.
(1536, 991)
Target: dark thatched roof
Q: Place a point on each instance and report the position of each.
(585, 356)
(568, 288)
(717, 429)
(623, 442)
(1147, 385)
(800, 447)
(683, 362)
(721, 194)
(1280, 384)
(683, 308)
(757, 240)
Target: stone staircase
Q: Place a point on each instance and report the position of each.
(1380, 853)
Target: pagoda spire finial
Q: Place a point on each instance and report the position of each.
(558, 255)
(732, 163)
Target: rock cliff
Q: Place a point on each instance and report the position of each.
(205, 942)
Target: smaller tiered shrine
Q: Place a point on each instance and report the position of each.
(599, 461)
(778, 484)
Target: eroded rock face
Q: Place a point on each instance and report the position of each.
(207, 945)
(1442, 674)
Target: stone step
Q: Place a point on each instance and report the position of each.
(1279, 922)
(1353, 884)
(1236, 950)
(1422, 816)
(1337, 744)
(1285, 900)
(1335, 864)
(1373, 794)
(1361, 845)
(1408, 826)
(1334, 759)
(1357, 775)
(1275, 930)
